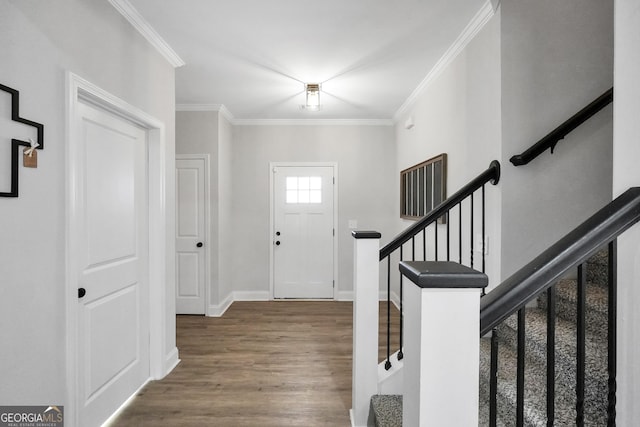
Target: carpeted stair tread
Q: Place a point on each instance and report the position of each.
(601, 257)
(387, 410)
(596, 300)
(598, 268)
(535, 414)
(535, 393)
(596, 375)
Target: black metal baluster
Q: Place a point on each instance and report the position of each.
(460, 234)
(612, 332)
(448, 237)
(387, 364)
(435, 225)
(520, 370)
(424, 244)
(400, 353)
(483, 232)
(551, 355)
(413, 248)
(493, 381)
(580, 344)
(471, 232)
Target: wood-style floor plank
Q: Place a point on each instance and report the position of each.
(276, 363)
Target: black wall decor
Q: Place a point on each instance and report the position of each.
(15, 143)
(423, 187)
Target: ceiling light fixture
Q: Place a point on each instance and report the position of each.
(313, 96)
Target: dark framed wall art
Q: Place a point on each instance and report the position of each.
(422, 187)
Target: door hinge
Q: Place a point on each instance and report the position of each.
(334, 283)
(334, 232)
(334, 180)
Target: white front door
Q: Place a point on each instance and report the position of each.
(190, 232)
(303, 232)
(113, 266)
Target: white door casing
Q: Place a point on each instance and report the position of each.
(146, 279)
(192, 242)
(303, 235)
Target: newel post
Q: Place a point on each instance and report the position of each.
(365, 323)
(442, 344)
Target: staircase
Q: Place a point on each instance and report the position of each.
(386, 411)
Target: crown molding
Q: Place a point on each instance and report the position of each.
(476, 24)
(199, 107)
(207, 107)
(282, 122)
(130, 13)
(313, 122)
(226, 113)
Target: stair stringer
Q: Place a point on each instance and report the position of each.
(391, 381)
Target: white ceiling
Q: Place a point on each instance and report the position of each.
(254, 56)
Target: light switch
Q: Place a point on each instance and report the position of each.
(478, 241)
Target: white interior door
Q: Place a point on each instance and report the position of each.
(303, 232)
(190, 233)
(113, 266)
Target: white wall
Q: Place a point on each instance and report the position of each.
(365, 157)
(626, 153)
(458, 113)
(556, 58)
(39, 42)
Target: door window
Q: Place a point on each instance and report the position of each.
(304, 189)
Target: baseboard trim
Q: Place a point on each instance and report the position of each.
(382, 296)
(220, 309)
(344, 296)
(251, 296)
(171, 361)
(109, 421)
(395, 299)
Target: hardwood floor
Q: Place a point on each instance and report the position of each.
(276, 363)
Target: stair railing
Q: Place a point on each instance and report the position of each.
(441, 212)
(539, 276)
(551, 139)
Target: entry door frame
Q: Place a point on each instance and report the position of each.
(80, 90)
(273, 165)
(207, 223)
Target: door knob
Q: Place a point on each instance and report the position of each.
(81, 292)
(199, 244)
(277, 242)
(277, 233)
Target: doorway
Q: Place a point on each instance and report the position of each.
(303, 244)
(116, 253)
(192, 231)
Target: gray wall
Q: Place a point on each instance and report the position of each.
(626, 153)
(197, 133)
(40, 41)
(209, 132)
(557, 56)
(365, 168)
(458, 113)
(225, 185)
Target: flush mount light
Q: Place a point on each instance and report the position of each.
(313, 96)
